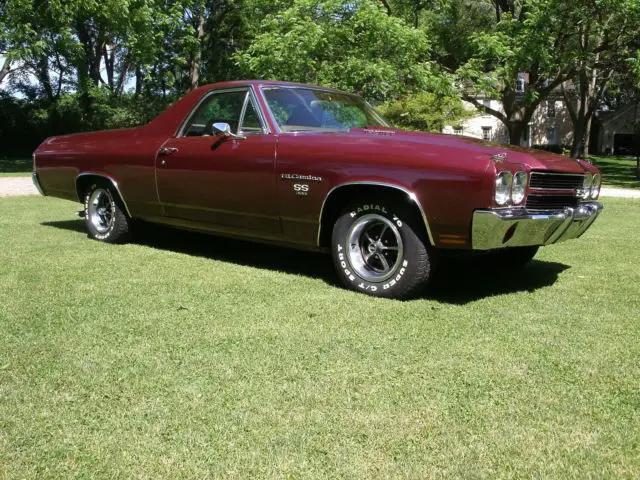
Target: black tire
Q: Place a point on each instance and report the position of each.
(515, 257)
(377, 249)
(104, 215)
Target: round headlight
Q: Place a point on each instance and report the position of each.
(595, 187)
(586, 185)
(503, 187)
(519, 187)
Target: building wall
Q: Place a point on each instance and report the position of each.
(620, 122)
(549, 125)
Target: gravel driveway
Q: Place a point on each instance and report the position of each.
(11, 186)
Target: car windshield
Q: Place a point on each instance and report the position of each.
(306, 109)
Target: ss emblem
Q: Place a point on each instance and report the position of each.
(300, 188)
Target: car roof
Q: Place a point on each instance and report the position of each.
(263, 83)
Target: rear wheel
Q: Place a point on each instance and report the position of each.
(377, 249)
(104, 216)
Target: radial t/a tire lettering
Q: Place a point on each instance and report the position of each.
(377, 250)
(104, 215)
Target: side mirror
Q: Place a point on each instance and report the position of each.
(224, 129)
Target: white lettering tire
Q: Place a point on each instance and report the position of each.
(377, 249)
(104, 215)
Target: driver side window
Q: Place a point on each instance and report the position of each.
(224, 107)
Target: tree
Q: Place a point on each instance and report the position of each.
(528, 40)
(353, 45)
(604, 36)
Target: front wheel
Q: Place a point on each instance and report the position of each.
(377, 250)
(105, 218)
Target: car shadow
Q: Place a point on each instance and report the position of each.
(461, 281)
(239, 252)
(457, 281)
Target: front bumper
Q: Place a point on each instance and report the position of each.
(519, 227)
(36, 182)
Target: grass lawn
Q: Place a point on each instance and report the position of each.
(617, 171)
(15, 167)
(187, 356)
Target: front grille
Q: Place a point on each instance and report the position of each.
(551, 202)
(555, 181)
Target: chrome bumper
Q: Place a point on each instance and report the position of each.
(36, 182)
(519, 227)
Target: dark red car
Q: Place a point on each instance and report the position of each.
(319, 169)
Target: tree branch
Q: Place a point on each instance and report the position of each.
(499, 115)
(386, 5)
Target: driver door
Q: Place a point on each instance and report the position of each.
(218, 180)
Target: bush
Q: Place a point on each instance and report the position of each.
(425, 112)
(560, 149)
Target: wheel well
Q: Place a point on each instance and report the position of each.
(83, 182)
(342, 196)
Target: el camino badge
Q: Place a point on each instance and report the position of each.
(297, 176)
(300, 189)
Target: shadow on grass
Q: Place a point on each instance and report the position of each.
(617, 171)
(456, 281)
(15, 165)
(460, 281)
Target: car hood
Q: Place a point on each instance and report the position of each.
(507, 154)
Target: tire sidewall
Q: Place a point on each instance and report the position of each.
(405, 272)
(93, 232)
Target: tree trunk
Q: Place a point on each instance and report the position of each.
(6, 69)
(194, 69)
(515, 133)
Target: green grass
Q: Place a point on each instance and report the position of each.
(187, 356)
(15, 167)
(617, 171)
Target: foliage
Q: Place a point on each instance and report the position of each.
(109, 64)
(425, 112)
(353, 46)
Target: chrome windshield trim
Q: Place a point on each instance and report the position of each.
(106, 177)
(412, 196)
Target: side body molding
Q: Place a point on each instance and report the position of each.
(110, 179)
(412, 197)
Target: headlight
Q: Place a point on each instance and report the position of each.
(503, 187)
(519, 187)
(586, 185)
(595, 186)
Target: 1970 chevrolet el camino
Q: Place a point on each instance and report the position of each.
(320, 169)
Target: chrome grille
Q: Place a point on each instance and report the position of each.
(555, 181)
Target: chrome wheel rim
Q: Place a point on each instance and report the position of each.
(101, 210)
(375, 247)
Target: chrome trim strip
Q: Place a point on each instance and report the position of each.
(36, 182)
(412, 196)
(536, 172)
(107, 177)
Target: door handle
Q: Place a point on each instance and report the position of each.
(166, 151)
